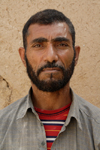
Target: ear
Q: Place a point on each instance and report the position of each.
(77, 50)
(22, 55)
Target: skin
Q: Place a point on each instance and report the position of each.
(48, 49)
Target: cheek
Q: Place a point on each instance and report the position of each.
(32, 60)
(67, 58)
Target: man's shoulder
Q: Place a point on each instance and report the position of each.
(12, 109)
(88, 110)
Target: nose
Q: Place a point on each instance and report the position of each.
(51, 54)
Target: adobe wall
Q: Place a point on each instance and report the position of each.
(84, 14)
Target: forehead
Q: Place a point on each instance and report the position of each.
(48, 31)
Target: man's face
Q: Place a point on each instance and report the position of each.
(49, 56)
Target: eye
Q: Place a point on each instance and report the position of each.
(63, 44)
(37, 45)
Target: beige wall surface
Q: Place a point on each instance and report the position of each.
(85, 16)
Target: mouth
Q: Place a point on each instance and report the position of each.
(51, 70)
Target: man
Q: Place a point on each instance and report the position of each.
(51, 116)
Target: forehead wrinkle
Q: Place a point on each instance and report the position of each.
(59, 24)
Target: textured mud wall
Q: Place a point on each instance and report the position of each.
(84, 14)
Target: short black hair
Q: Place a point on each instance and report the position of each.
(47, 17)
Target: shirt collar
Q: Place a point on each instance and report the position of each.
(73, 112)
(26, 105)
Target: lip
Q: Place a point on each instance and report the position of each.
(51, 70)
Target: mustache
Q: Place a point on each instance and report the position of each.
(50, 65)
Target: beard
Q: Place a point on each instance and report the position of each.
(53, 84)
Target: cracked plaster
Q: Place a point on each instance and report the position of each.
(5, 93)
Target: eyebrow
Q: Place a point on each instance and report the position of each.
(60, 39)
(57, 39)
(39, 40)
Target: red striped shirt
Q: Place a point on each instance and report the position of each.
(53, 121)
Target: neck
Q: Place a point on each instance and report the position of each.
(51, 100)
